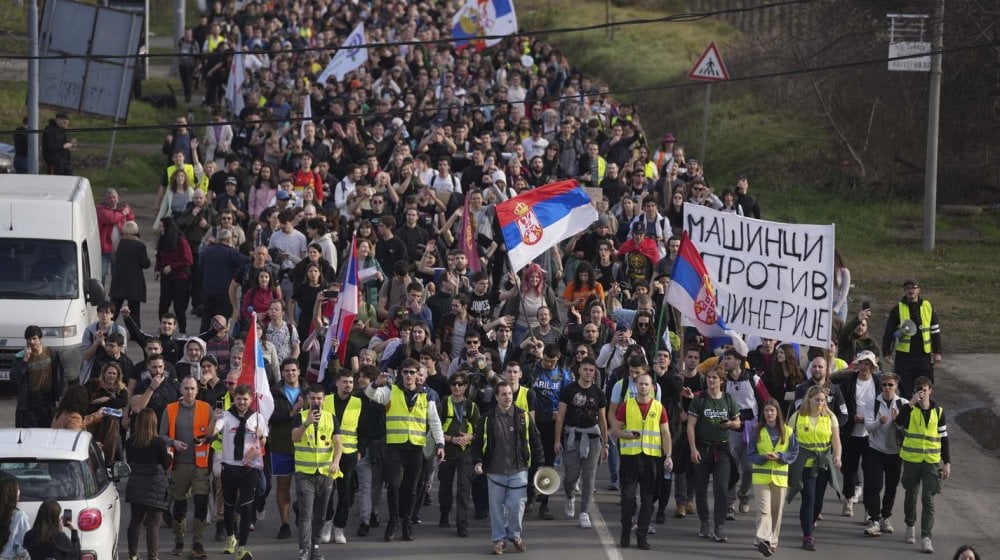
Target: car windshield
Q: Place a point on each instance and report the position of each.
(41, 479)
(38, 269)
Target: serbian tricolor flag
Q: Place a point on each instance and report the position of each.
(344, 313)
(478, 18)
(467, 240)
(536, 220)
(254, 374)
(691, 292)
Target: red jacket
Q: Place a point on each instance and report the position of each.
(647, 248)
(302, 179)
(107, 219)
(178, 259)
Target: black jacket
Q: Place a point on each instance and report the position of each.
(528, 453)
(59, 547)
(127, 279)
(148, 483)
(848, 388)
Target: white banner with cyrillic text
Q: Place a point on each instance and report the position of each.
(774, 280)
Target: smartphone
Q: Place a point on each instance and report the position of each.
(67, 516)
(331, 294)
(220, 404)
(866, 305)
(115, 412)
(315, 408)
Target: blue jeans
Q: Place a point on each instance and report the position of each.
(813, 491)
(613, 458)
(508, 496)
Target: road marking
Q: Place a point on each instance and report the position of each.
(607, 541)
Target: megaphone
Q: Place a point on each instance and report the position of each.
(907, 328)
(547, 481)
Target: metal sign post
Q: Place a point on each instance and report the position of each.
(709, 68)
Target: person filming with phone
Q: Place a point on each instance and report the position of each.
(46, 538)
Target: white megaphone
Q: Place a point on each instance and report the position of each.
(547, 481)
(907, 328)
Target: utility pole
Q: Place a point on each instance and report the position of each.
(933, 117)
(33, 86)
(178, 35)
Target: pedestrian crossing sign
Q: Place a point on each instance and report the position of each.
(709, 66)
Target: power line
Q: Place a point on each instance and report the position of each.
(675, 18)
(664, 87)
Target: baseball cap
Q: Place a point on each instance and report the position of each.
(639, 227)
(283, 195)
(668, 137)
(911, 282)
(231, 181)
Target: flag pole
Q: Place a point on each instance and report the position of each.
(520, 296)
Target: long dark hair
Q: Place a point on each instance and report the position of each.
(779, 421)
(591, 281)
(76, 400)
(8, 503)
(170, 237)
(47, 521)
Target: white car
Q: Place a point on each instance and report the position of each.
(68, 466)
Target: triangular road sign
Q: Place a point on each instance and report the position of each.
(709, 67)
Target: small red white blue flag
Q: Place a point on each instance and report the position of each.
(692, 293)
(344, 314)
(536, 220)
(254, 374)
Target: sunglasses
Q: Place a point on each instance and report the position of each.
(472, 343)
(457, 384)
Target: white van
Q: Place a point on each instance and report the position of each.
(50, 265)
(67, 466)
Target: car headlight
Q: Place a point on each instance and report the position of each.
(68, 331)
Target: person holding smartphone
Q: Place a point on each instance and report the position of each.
(926, 459)
(318, 450)
(46, 538)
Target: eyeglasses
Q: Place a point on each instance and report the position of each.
(457, 384)
(472, 343)
(409, 372)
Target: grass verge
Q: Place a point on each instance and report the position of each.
(794, 165)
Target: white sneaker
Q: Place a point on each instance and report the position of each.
(873, 530)
(570, 508)
(651, 530)
(326, 533)
(885, 526)
(911, 535)
(585, 521)
(338, 536)
(857, 494)
(848, 507)
(926, 545)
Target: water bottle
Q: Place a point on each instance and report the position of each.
(558, 461)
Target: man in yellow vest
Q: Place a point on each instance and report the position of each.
(926, 459)
(644, 439)
(916, 355)
(347, 409)
(407, 420)
(318, 452)
(187, 426)
(459, 415)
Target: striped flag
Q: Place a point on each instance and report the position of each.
(467, 240)
(344, 314)
(254, 374)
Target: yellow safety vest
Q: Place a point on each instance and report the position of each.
(188, 170)
(213, 42)
(466, 427)
(314, 452)
(771, 472)
(649, 442)
(227, 402)
(921, 441)
(521, 400)
(816, 439)
(924, 326)
(403, 424)
(349, 423)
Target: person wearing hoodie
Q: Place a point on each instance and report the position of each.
(190, 364)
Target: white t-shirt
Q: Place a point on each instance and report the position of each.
(864, 398)
(227, 426)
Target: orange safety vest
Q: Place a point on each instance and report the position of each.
(202, 416)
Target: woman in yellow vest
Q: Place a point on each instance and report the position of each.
(816, 429)
(771, 449)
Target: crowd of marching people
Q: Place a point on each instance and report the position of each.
(457, 373)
